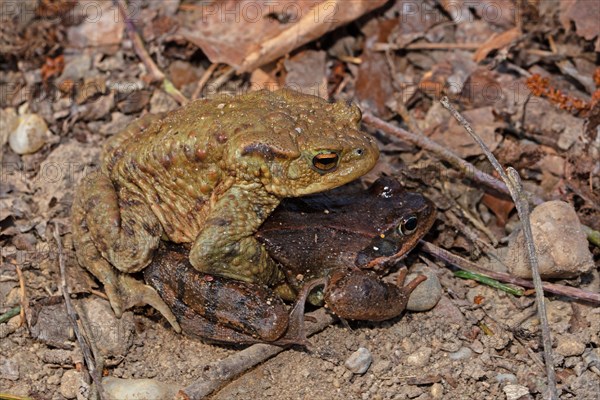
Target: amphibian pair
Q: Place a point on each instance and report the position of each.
(209, 174)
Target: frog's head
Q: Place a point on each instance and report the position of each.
(400, 218)
(310, 145)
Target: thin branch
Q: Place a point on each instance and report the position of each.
(221, 372)
(426, 46)
(203, 80)
(513, 181)
(73, 318)
(22, 295)
(154, 73)
(467, 265)
(424, 142)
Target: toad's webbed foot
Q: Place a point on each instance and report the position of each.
(131, 292)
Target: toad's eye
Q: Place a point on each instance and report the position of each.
(408, 225)
(325, 161)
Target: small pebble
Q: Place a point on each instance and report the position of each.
(592, 358)
(382, 367)
(477, 346)
(560, 242)
(508, 378)
(568, 345)
(419, 358)
(462, 354)
(69, 383)
(359, 361)
(133, 389)
(30, 134)
(515, 392)
(9, 369)
(428, 293)
(437, 391)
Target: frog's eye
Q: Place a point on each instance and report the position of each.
(325, 161)
(408, 225)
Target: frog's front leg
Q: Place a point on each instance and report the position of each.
(362, 295)
(226, 246)
(113, 229)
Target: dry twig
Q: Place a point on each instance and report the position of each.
(22, 295)
(203, 80)
(73, 317)
(467, 265)
(424, 142)
(154, 73)
(219, 373)
(513, 182)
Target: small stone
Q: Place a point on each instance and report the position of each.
(560, 243)
(428, 293)
(568, 345)
(54, 379)
(477, 346)
(382, 367)
(359, 361)
(9, 369)
(515, 392)
(509, 378)
(592, 358)
(462, 354)
(419, 358)
(148, 389)
(336, 383)
(30, 135)
(113, 336)
(69, 383)
(437, 391)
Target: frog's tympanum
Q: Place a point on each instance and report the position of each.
(344, 239)
(209, 174)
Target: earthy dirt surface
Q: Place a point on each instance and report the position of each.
(526, 76)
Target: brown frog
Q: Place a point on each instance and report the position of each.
(209, 174)
(351, 237)
(340, 239)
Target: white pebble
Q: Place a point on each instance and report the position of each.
(30, 135)
(514, 392)
(359, 361)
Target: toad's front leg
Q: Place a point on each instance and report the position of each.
(226, 246)
(119, 230)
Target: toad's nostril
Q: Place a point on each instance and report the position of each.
(359, 152)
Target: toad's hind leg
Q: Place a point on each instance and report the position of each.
(92, 202)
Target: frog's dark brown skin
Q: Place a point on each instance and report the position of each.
(351, 292)
(344, 228)
(223, 310)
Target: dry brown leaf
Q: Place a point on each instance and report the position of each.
(496, 42)
(586, 16)
(453, 136)
(247, 34)
(500, 207)
(306, 72)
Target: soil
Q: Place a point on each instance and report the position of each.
(528, 85)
